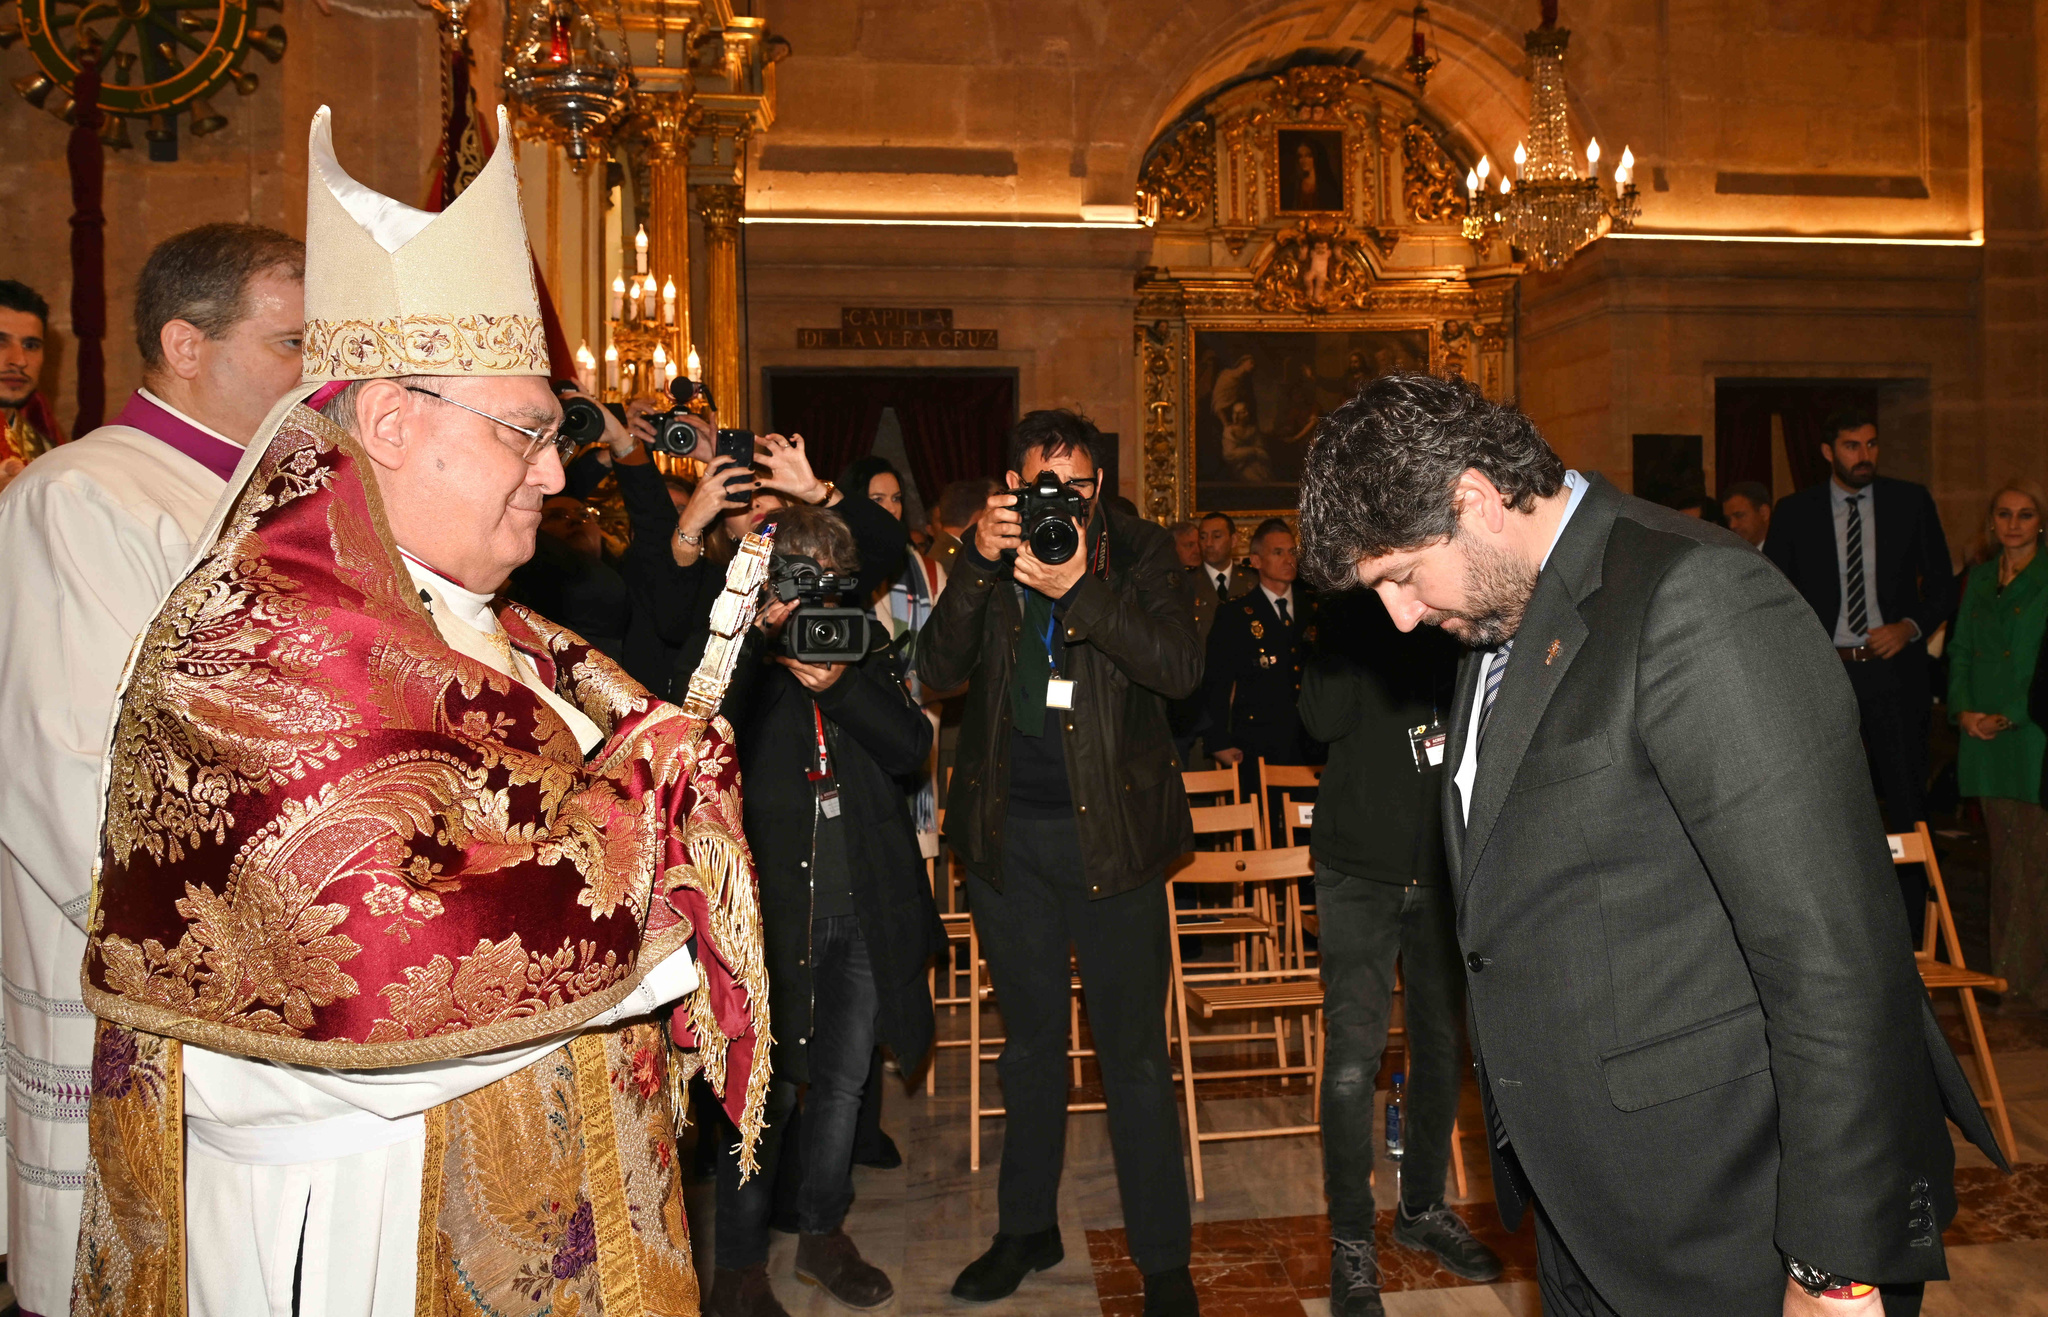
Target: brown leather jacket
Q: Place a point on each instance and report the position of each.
(1131, 647)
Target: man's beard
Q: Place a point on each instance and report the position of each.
(16, 393)
(1855, 477)
(1497, 590)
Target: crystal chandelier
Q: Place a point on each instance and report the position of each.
(1549, 210)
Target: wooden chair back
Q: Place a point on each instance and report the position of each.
(1212, 782)
(1917, 847)
(1237, 826)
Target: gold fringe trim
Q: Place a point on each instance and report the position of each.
(433, 1184)
(618, 1261)
(174, 1155)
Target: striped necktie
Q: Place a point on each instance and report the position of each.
(1495, 670)
(1859, 604)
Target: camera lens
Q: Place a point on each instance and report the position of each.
(1054, 540)
(581, 420)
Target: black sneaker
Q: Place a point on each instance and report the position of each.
(997, 1273)
(1355, 1279)
(1439, 1230)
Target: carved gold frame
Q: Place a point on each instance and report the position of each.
(1469, 326)
(1347, 183)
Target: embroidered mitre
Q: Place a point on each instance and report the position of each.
(391, 290)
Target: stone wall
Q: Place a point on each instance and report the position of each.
(375, 61)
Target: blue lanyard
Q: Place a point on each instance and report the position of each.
(1052, 625)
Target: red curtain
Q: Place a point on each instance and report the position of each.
(1742, 426)
(955, 427)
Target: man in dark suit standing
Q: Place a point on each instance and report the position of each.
(1868, 554)
(1703, 1049)
(1187, 716)
(1251, 681)
(1219, 546)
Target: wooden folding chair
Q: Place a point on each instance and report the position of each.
(1281, 788)
(1212, 782)
(1917, 847)
(952, 985)
(1209, 992)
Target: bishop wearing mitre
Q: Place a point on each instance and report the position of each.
(395, 876)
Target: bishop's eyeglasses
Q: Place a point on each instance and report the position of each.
(537, 441)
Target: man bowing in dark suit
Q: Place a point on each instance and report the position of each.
(1869, 556)
(1704, 1052)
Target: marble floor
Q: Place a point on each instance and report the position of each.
(1261, 1247)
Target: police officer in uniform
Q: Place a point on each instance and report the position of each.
(1255, 656)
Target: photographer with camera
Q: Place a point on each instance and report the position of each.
(1073, 627)
(827, 739)
(733, 499)
(615, 603)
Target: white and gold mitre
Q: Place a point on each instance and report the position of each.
(391, 290)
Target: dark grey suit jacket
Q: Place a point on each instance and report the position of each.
(1700, 1033)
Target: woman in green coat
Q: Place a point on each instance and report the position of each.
(1991, 667)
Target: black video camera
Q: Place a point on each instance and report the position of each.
(1048, 508)
(817, 632)
(672, 434)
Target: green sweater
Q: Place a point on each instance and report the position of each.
(1991, 664)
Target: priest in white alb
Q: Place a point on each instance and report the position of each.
(92, 536)
(395, 876)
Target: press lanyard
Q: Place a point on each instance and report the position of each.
(823, 768)
(1052, 626)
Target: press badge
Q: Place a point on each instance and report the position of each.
(1426, 743)
(1059, 694)
(828, 802)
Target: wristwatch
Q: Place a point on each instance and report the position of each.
(1813, 1280)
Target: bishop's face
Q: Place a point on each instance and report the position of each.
(471, 471)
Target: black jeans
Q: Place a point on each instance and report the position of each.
(1365, 925)
(839, 1048)
(1892, 701)
(1026, 929)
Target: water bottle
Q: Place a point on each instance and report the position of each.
(1394, 1118)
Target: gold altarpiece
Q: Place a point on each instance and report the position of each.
(1309, 234)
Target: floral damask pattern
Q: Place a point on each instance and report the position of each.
(425, 345)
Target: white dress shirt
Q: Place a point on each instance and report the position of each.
(1468, 763)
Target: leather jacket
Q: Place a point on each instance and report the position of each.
(1131, 646)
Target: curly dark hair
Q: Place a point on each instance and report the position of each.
(1054, 432)
(1379, 476)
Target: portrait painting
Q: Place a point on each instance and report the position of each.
(1259, 394)
(1310, 169)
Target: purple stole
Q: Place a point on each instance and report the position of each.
(159, 422)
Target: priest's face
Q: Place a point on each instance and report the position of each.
(464, 498)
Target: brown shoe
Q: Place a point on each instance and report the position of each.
(833, 1264)
(743, 1293)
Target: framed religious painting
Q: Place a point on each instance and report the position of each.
(1258, 395)
(1308, 171)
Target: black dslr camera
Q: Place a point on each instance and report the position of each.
(582, 422)
(672, 434)
(1048, 509)
(817, 632)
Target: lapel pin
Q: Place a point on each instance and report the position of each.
(1551, 653)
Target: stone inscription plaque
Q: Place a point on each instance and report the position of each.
(898, 328)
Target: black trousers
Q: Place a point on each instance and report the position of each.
(1365, 925)
(1026, 929)
(841, 1045)
(1892, 699)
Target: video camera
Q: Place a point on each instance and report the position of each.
(817, 632)
(1048, 508)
